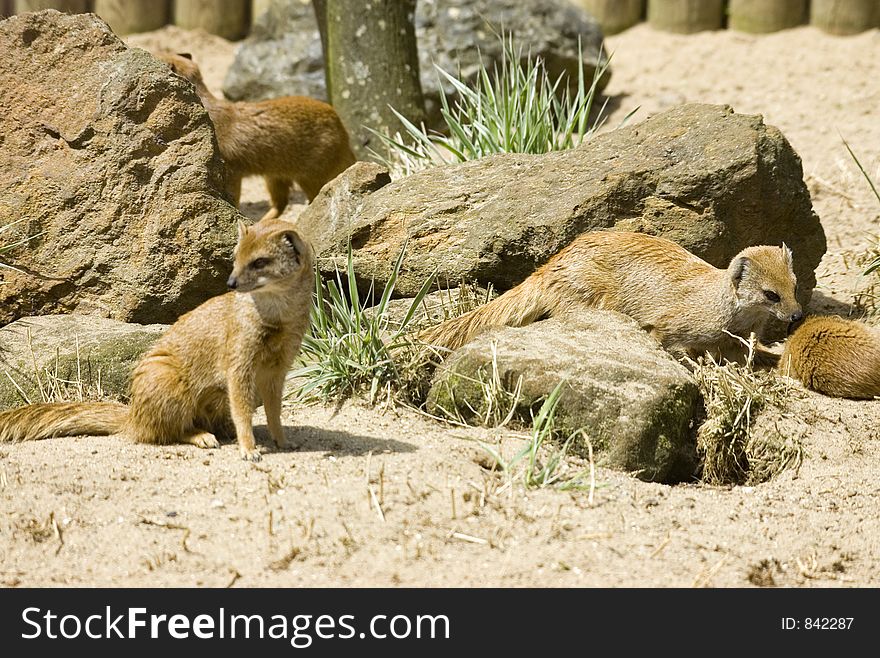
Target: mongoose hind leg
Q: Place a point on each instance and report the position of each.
(201, 439)
(162, 410)
(279, 192)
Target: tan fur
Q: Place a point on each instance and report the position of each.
(682, 300)
(214, 365)
(285, 140)
(837, 357)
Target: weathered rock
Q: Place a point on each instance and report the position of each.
(70, 348)
(636, 404)
(110, 161)
(283, 55)
(711, 180)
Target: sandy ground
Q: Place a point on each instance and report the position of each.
(386, 497)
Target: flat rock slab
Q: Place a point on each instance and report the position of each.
(109, 165)
(70, 348)
(701, 175)
(637, 405)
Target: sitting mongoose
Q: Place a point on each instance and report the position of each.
(687, 304)
(833, 356)
(215, 364)
(294, 138)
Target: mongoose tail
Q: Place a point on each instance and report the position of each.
(48, 420)
(835, 357)
(519, 306)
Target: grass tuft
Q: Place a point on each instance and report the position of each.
(733, 394)
(354, 347)
(539, 465)
(514, 108)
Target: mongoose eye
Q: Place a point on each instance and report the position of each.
(771, 296)
(259, 263)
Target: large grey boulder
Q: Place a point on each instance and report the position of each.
(68, 350)
(283, 56)
(701, 175)
(636, 404)
(109, 160)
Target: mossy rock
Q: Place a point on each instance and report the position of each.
(637, 405)
(97, 352)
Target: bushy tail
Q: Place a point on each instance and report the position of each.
(48, 420)
(519, 306)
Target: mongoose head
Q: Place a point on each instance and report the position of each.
(763, 277)
(183, 65)
(270, 255)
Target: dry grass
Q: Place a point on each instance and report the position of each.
(733, 394)
(52, 387)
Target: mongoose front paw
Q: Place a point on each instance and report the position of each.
(251, 455)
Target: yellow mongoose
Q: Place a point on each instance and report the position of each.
(684, 302)
(214, 364)
(834, 356)
(287, 139)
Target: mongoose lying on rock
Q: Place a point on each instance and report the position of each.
(287, 139)
(837, 357)
(215, 364)
(687, 304)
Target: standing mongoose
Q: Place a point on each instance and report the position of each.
(285, 140)
(684, 302)
(837, 357)
(215, 364)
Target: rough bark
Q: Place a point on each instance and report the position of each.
(372, 64)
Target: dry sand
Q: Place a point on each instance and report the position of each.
(384, 498)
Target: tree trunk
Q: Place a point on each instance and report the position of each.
(68, 6)
(225, 18)
(766, 15)
(844, 16)
(129, 16)
(614, 15)
(372, 62)
(686, 16)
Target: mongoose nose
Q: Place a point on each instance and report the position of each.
(797, 316)
(232, 282)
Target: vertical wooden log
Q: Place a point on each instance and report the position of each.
(5, 8)
(372, 63)
(258, 7)
(686, 16)
(225, 18)
(761, 16)
(68, 6)
(845, 16)
(614, 15)
(129, 16)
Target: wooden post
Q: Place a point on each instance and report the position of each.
(686, 16)
(845, 16)
(225, 18)
(128, 16)
(614, 15)
(766, 15)
(68, 6)
(5, 8)
(258, 7)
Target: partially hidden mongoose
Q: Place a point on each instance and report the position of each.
(285, 140)
(837, 357)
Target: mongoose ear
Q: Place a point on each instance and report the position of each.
(242, 230)
(787, 256)
(292, 240)
(737, 269)
(185, 56)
